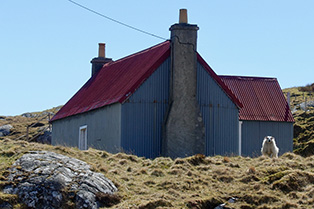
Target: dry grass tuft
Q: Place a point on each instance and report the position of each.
(155, 204)
(254, 199)
(197, 159)
(291, 156)
(104, 154)
(8, 198)
(251, 170)
(157, 173)
(225, 178)
(179, 161)
(204, 203)
(108, 200)
(142, 171)
(122, 162)
(250, 178)
(226, 160)
(294, 181)
(175, 171)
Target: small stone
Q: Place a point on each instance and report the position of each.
(232, 200)
(5, 130)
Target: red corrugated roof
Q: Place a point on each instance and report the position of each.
(262, 98)
(116, 81)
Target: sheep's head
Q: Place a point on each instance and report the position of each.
(269, 139)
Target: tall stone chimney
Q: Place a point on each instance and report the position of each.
(184, 130)
(98, 62)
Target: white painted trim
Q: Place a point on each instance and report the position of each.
(82, 141)
(240, 138)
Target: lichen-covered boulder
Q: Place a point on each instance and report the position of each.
(5, 130)
(44, 179)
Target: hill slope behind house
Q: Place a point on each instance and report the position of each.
(38, 123)
(192, 182)
(302, 106)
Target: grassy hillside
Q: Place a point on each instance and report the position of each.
(193, 182)
(304, 120)
(36, 121)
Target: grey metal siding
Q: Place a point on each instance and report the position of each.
(103, 129)
(253, 133)
(220, 116)
(143, 115)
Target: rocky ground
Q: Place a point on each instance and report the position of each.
(43, 179)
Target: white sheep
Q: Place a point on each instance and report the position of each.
(269, 147)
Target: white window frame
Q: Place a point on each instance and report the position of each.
(82, 141)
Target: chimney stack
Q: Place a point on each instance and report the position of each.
(98, 62)
(101, 50)
(183, 18)
(184, 130)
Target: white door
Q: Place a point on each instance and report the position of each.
(82, 144)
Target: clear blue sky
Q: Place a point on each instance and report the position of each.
(46, 46)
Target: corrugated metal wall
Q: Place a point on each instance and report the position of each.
(103, 129)
(220, 116)
(143, 115)
(253, 133)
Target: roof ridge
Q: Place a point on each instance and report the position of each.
(137, 53)
(247, 77)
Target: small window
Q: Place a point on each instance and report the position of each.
(82, 144)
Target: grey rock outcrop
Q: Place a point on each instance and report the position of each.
(29, 115)
(5, 130)
(36, 115)
(45, 138)
(44, 179)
